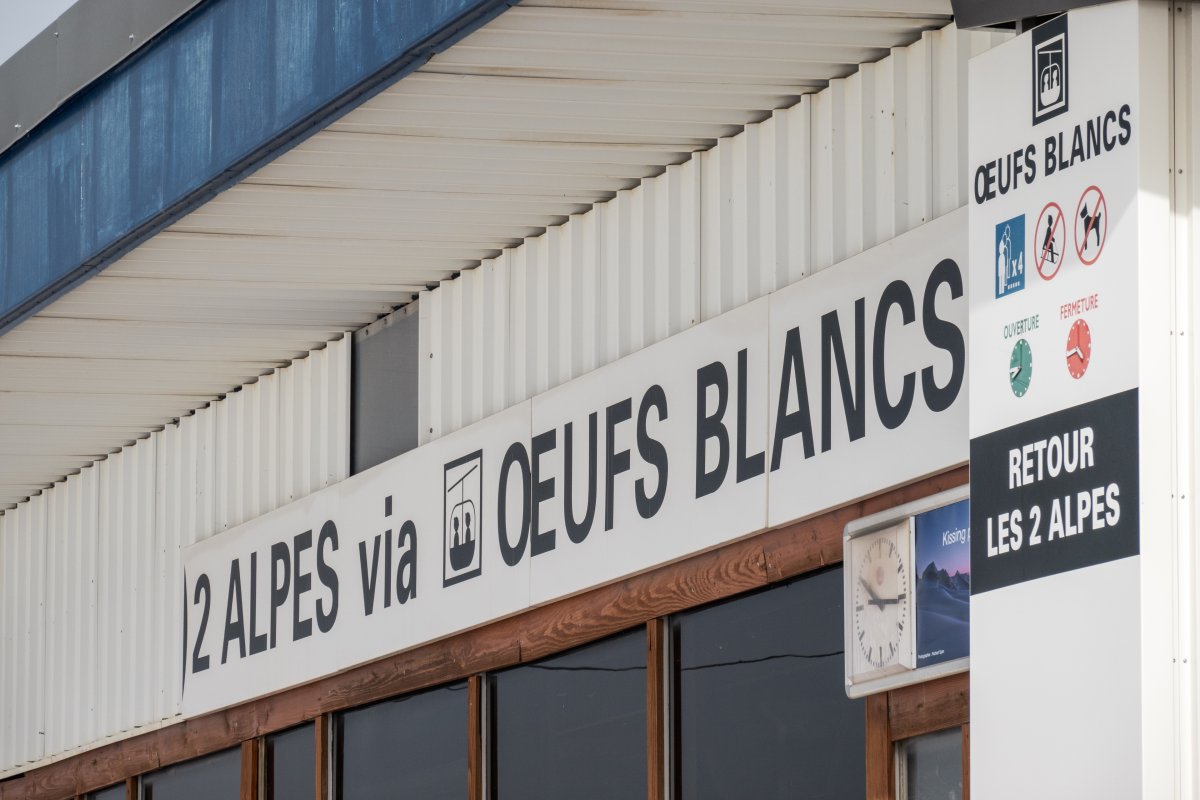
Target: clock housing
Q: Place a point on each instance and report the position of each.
(879, 564)
(881, 634)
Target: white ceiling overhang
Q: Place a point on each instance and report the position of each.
(544, 111)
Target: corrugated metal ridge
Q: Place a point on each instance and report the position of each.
(873, 155)
(108, 248)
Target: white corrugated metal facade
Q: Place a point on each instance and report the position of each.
(1183, 539)
(871, 156)
(551, 107)
(397, 194)
(90, 648)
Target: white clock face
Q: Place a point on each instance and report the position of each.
(882, 632)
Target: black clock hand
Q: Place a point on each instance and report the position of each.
(874, 601)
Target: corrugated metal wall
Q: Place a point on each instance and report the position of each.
(604, 284)
(90, 570)
(1186, 217)
(871, 156)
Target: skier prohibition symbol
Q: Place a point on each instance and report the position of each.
(1049, 254)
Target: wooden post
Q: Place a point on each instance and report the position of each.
(880, 769)
(656, 687)
(321, 757)
(475, 753)
(966, 761)
(250, 770)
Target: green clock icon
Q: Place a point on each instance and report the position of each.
(1020, 368)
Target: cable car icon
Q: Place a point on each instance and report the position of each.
(1050, 82)
(462, 535)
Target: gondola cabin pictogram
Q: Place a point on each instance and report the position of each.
(462, 519)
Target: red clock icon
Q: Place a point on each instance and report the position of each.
(1079, 349)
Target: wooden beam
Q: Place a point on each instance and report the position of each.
(752, 563)
(132, 789)
(928, 707)
(656, 723)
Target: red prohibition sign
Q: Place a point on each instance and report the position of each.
(1092, 218)
(1050, 240)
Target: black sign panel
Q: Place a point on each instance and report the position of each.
(1055, 494)
(1050, 78)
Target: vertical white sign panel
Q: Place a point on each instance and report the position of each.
(1055, 623)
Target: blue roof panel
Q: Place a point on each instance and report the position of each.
(214, 96)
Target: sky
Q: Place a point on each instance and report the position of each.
(953, 558)
(21, 20)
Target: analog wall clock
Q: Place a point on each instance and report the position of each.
(1079, 348)
(903, 569)
(1020, 368)
(880, 596)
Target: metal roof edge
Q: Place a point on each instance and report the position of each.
(31, 235)
(86, 41)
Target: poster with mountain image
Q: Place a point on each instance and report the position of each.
(943, 550)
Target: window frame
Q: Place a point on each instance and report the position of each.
(756, 562)
(899, 714)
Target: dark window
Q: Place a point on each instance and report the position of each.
(760, 701)
(383, 390)
(573, 725)
(291, 764)
(931, 766)
(111, 793)
(410, 747)
(214, 777)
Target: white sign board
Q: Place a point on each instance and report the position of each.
(843, 385)
(1053, 151)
